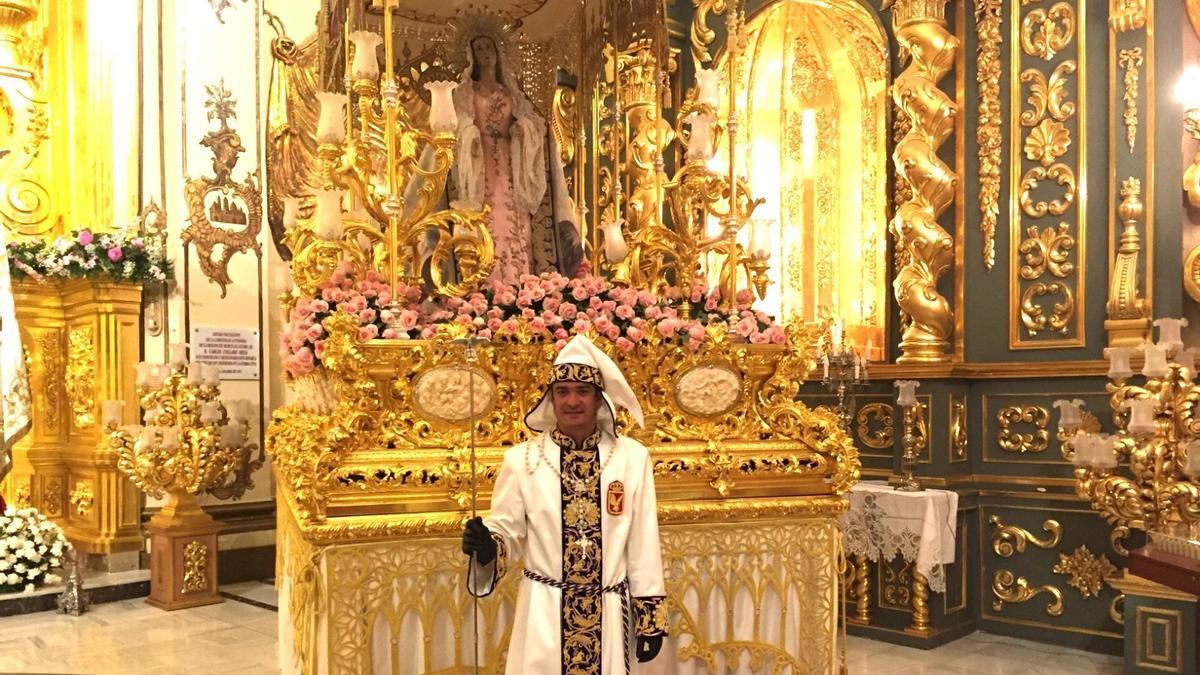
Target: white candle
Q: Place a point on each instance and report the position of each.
(143, 374)
(837, 333)
(870, 353)
(760, 239)
(329, 225)
(615, 248)
(231, 434)
(1070, 415)
(331, 126)
(178, 353)
(291, 212)
(1141, 415)
(1155, 365)
(210, 412)
(1081, 442)
(908, 392)
(699, 145)
(708, 84)
(442, 117)
(1192, 466)
(170, 438)
(1105, 455)
(1169, 333)
(856, 367)
(212, 375)
(1118, 362)
(112, 410)
(195, 374)
(825, 367)
(366, 63)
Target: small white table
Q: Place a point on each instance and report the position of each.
(919, 526)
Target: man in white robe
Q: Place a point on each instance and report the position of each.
(576, 503)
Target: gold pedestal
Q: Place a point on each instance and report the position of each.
(1127, 332)
(83, 339)
(183, 555)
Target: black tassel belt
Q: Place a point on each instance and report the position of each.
(621, 588)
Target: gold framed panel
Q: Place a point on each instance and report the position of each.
(926, 401)
(902, 583)
(1025, 398)
(961, 561)
(1049, 42)
(1146, 619)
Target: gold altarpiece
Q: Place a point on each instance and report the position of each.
(374, 483)
(81, 337)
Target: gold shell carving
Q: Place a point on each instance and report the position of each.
(1012, 440)
(708, 390)
(1047, 142)
(443, 394)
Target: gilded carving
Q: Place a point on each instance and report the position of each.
(1191, 273)
(1033, 315)
(563, 123)
(1124, 302)
(1130, 60)
(1042, 136)
(875, 425)
(1062, 175)
(1010, 588)
(958, 429)
(49, 349)
(1045, 33)
(926, 249)
(1088, 573)
(52, 495)
(988, 19)
(80, 377)
(1012, 440)
(1048, 250)
(195, 567)
(446, 394)
(895, 588)
(224, 215)
(1116, 609)
(1127, 15)
(1010, 539)
(701, 35)
(708, 390)
(82, 498)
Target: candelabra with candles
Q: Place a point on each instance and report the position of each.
(911, 441)
(1157, 435)
(843, 369)
(382, 176)
(190, 443)
(698, 196)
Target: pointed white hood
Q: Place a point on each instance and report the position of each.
(582, 361)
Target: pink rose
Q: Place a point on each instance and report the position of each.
(568, 311)
(528, 313)
(579, 293)
(115, 254)
(647, 298)
(390, 334)
(494, 323)
(486, 334)
(409, 319)
(696, 331)
(319, 348)
(582, 325)
(711, 303)
(623, 344)
(537, 325)
(745, 327)
(562, 334)
(315, 331)
(624, 312)
(85, 237)
(368, 333)
(635, 334)
(653, 313)
(668, 327)
(697, 293)
(366, 316)
(551, 304)
(550, 318)
(603, 324)
(319, 306)
(558, 345)
(305, 357)
(694, 344)
(612, 332)
(428, 332)
(413, 294)
(511, 325)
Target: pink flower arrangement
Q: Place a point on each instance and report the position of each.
(551, 305)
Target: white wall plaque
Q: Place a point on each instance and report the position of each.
(234, 350)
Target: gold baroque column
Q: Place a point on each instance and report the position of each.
(926, 249)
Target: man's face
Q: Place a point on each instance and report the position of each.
(575, 405)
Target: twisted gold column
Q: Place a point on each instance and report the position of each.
(920, 603)
(862, 590)
(925, 250)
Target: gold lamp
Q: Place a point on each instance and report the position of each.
(190, 443)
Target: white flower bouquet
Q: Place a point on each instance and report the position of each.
(30, 546)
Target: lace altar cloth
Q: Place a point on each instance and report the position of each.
(919, 526)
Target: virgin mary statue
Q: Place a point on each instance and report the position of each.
(505, 159)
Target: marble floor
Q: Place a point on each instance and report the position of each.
(238, 636)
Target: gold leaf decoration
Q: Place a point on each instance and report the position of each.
(1047, 250)
(1012, 440)
(1010, 539)
(988, 17)
(1088, 573)
(1034, 317)
(1008, 587)
(1045, 33)
(1047, 142)
(1130, 60)
(1062, 175)
(879, 437)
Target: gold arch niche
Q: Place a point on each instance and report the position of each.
(812, 110)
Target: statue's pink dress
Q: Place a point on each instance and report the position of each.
(508, 225)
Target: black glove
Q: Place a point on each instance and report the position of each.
(647, 648)
(477, 541)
